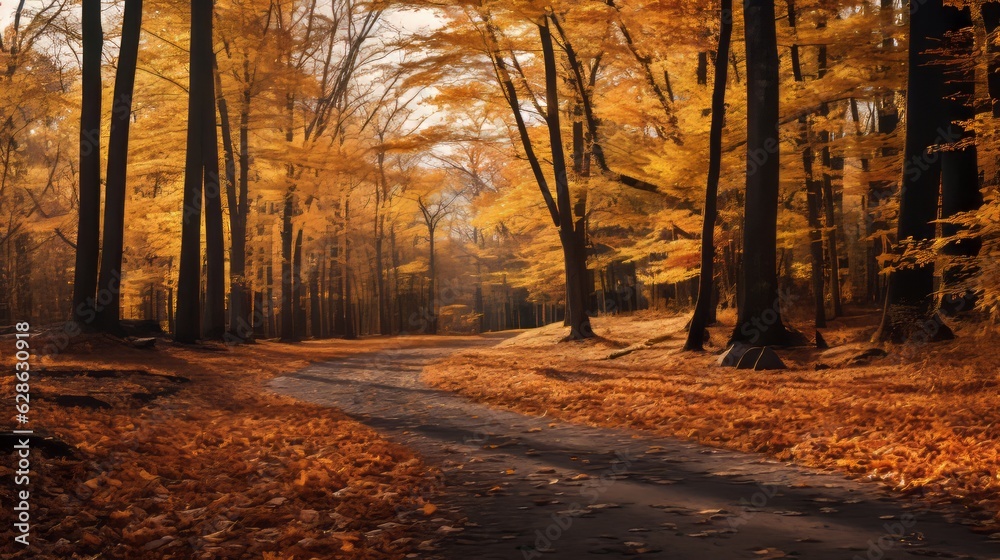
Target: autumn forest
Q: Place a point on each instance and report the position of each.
(499, 278)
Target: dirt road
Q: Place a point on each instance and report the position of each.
(530, 487)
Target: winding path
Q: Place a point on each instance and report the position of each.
(521, 487)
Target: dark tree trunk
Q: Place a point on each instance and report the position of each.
(288, 304)
(991, 19)
(214, 324)
(960, 188)
(315, 306)
(301, 323)
(909, 309)
(814, 194)
(346, 298)
(814, 199)
(241, 327)
(432, 326)
(706, 284)
(760, 319)
(109, 281)
(828, 198)
(570, 234)
(88, 234)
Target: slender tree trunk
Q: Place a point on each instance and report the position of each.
(288, 304)
(706, 284)
(760, 319)
(88, 234)
(814, 200)
(109, 280)
(301, 323)
(960, 188)
(909, 309)
(350, 332)
(432, 326)
(315, 306)
(240, 302)
(828, 199)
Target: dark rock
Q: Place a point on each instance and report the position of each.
(760, 359)
(820, 341)
(821, 366)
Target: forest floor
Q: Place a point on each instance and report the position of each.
(179, 452)
(921, 420)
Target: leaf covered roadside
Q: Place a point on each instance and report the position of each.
(922, 420)
(220, 469)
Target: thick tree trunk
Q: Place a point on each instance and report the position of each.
(760, 319)
(909, 309)
(88, 233)
(109, 280)
(706, 284)
(960, 188)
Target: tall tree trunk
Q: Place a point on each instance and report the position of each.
(706, 284)
(909, 308)
(960, 188)
(188, 316)
(315, 305)
(432, 327)
(109, 281)
(346, 298)
(991, 19)
(88, 233)
(760, 319)
(382, 194)
(572, 238)
(240, 302)
(828, 199)
(214, 324)
(288, 304)
(814, 199)
(301, 323)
